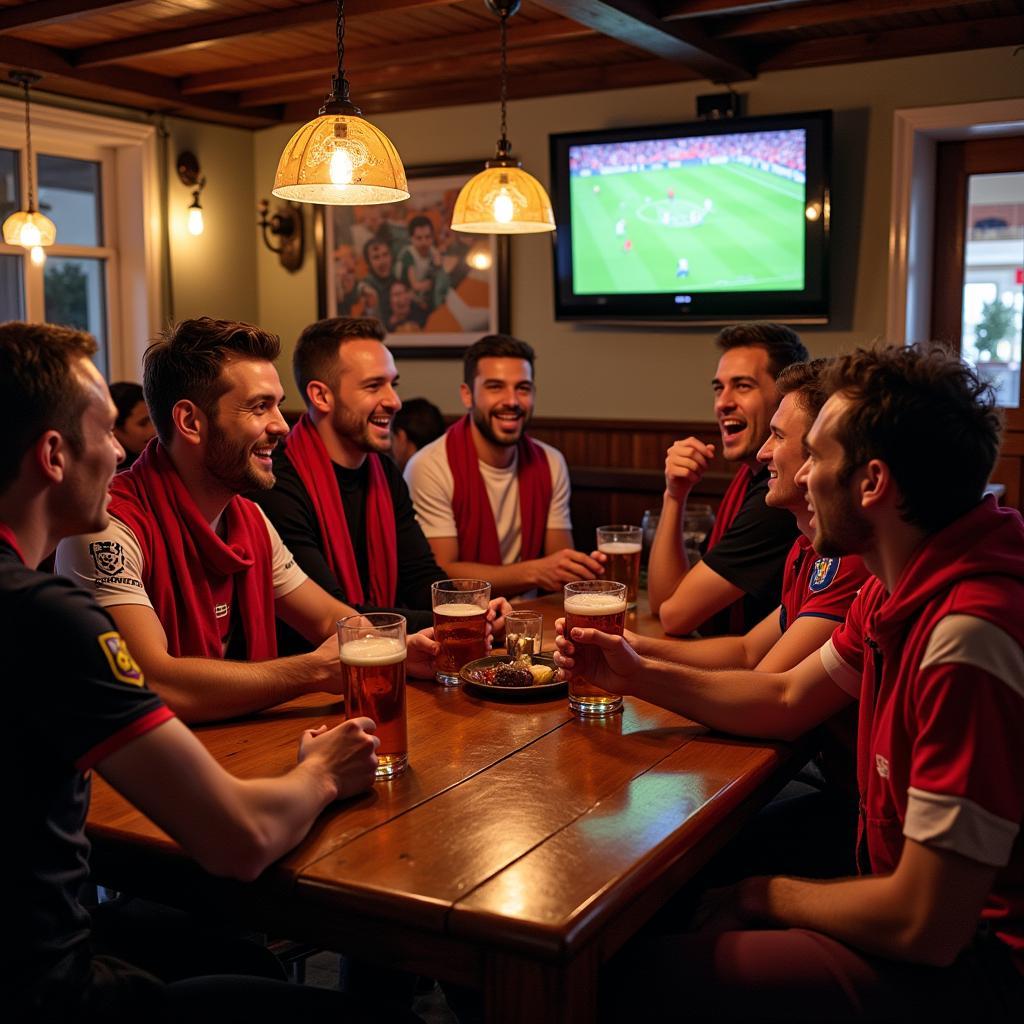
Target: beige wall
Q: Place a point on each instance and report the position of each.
(623, 373)
(213, 273)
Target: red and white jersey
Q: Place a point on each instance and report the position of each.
(818, 586)
(938, 668)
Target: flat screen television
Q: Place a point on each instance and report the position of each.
(704, 222)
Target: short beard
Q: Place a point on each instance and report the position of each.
(483, 424)
(356, 432)
(231, 467)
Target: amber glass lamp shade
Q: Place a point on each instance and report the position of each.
(29, 228)
(340, 159)
(503, 199)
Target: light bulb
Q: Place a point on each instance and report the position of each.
(38, 255)
(195, 220)
(341, 168)
(29, 235)
(503, 207)
(479, 259)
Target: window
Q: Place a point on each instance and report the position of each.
(96, 180)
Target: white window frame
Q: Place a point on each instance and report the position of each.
(131, 215)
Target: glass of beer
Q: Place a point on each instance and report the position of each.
(598, 604)
(460, 625)
(622, 545)
(697, 523)
(372, 647)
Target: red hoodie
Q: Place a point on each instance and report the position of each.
(938, 667)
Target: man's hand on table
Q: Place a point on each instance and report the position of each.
(348, 753)
(567, 566)
(618, 662)
(496, 612)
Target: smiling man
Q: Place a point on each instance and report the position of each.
(194, 574)
(493, 503)
(744, 555)
(340, 502)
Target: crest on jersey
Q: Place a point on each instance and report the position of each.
(120, 659)
(107, 556)
(823, 572)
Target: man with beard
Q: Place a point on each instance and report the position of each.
(933, 651)
(192, 573)
(743, 557)
(339, 502)
(493, 503)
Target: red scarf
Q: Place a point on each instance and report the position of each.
(306, 452)
(732, 502)
(184, 557)
(474, 517)
(7, 536)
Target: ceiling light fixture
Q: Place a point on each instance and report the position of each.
(503, 199)
(339, 158)
(29, 228)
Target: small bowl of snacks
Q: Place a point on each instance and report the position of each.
(532, 677)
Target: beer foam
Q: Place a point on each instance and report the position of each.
(373, 650)
(618, 547)
(456, 610)
(595, 603)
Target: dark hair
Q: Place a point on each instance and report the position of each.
(126, 395)
(782, 344)
(378, 239)
(419, 222)
(804, 380)
(421, 420)
(186, 362)
(494, 345)
(316, 351)
(40, 388)
(928, 416)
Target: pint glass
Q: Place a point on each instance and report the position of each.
(598, 604)
(372, 649)
(460, 625)
(622, 545)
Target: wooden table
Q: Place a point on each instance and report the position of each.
(520, 850)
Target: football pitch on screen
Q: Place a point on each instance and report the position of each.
(689, 229)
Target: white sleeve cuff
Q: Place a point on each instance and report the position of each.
(842, 674)
(960, 825)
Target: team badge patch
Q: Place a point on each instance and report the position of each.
(122, 664)
(107, 556)
(823, 572)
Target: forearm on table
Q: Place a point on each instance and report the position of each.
(209, 689)
(505, 580)
(667, 563)
(717, 652)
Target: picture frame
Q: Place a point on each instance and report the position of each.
(436, 293)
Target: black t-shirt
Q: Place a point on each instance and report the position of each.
(73, 696)
(752, 556)
(289, 508)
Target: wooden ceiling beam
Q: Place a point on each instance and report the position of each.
(680, 10)
(905, 42)
(787, 19)
(425, 74)
(128, 85)
(549, 83)
(366, 57)
(637, 23)
(228, 28)
(51, 12)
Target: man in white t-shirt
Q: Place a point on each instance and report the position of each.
(493, 503)
(192, 573)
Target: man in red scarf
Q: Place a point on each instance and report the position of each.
(493, 503)
(78, 702)
(193, 573)
(932, 652)
(741, 570)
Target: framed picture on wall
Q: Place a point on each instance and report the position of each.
(435, 290)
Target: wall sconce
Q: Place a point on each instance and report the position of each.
(188, 173)
(286, 225)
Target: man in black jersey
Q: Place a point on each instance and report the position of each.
(78, 701)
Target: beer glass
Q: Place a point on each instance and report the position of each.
(524, 631)
(372, 647)
(698, 520)
(622, 545)
(460, 625)
(599, 604)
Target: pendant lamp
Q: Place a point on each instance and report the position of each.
(339, 158)
(29, 228)
(503, 199)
